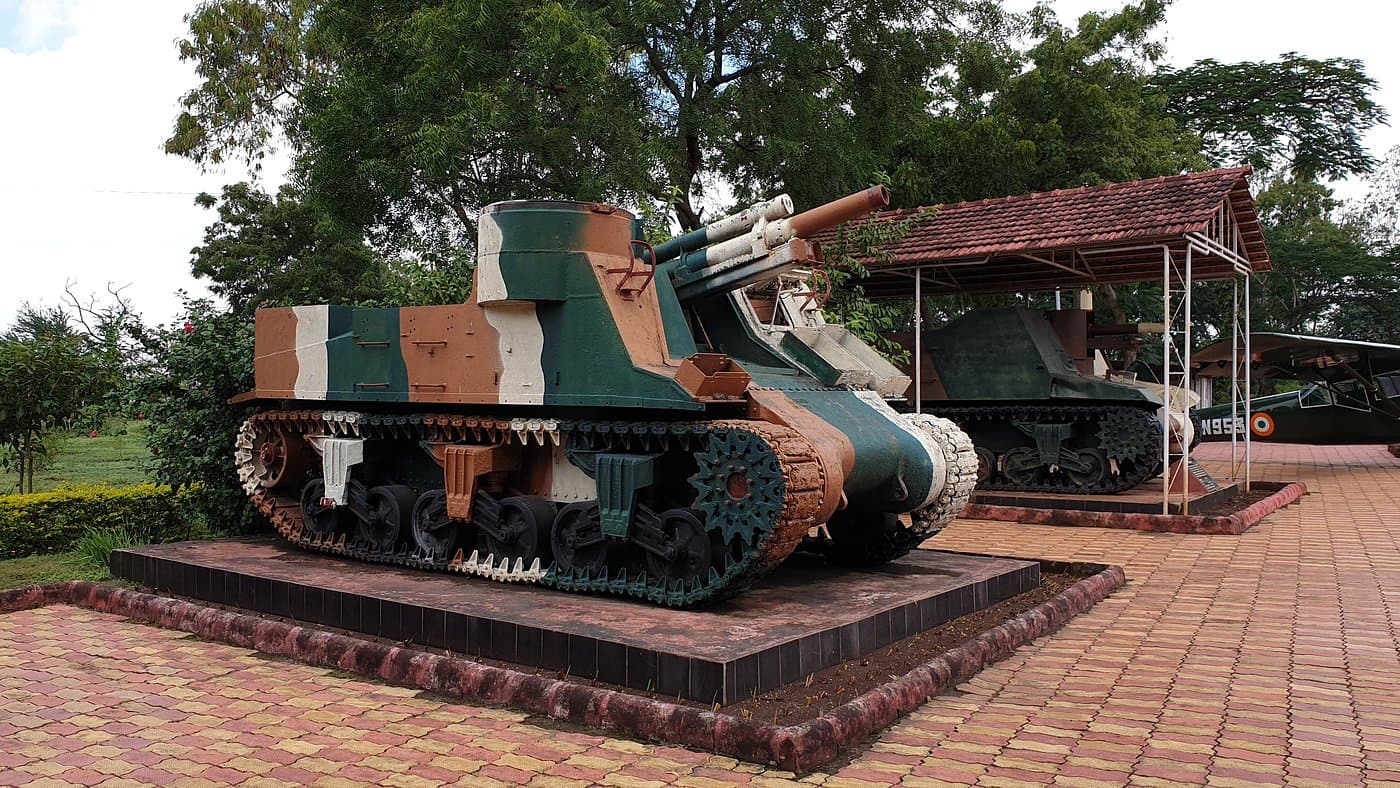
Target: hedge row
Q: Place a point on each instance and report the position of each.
(51, 522)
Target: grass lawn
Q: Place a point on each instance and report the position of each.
(36, 569)
(114, 457)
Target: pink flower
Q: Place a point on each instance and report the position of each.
(189, 327)
(92, 434)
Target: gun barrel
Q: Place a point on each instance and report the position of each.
(852, 206)
(719, 230)
(766, 251)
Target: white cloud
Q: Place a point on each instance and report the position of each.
(86, 193)
(88, 92)
(1241, 30)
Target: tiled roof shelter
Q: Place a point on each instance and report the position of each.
(1071, 238)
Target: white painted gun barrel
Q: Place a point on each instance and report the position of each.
(723, 229)
(768, 249)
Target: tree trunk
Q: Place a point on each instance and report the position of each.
(26, 462)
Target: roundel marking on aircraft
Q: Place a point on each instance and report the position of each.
(1262, 424)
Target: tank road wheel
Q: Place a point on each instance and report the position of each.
(986, 464)
(389, 508)
(1093, 470)
(433, 531)
(577, 538)
(688, 553)
(864, 538)
(319, 520)
(1022, 465)
(524, 530)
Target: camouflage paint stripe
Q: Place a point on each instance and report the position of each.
(490, 283)
(275, 352)
(312, 331)
(521, 346)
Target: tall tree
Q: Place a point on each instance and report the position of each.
(1328, 278)
(1300, 115)
(282, 249)
(45, 379)
(406, 117)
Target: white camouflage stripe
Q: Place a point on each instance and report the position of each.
(312, 364)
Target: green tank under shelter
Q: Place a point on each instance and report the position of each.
(1025, 391)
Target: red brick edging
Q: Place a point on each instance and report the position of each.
(798, 748)
(1233, 523)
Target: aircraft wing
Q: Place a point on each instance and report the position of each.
(1298, 357)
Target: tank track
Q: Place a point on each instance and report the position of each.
(1143, 467)
(801, 486)
(879, 546)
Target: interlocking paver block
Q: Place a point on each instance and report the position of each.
(1262, 658)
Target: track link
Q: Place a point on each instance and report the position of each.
(802, 485)
(1134, 470)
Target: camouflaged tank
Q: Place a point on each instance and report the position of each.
(599, 416)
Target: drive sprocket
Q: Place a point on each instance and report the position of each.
(739, 483)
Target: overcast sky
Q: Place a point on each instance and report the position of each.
(88, 91)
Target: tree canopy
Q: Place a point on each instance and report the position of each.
(1303, 116)
(406, 117)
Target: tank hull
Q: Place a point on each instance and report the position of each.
(1021, 383)
(570, 425)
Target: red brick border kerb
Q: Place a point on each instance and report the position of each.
(1234, 523)
(798, 748)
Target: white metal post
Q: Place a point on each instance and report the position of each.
(1234, 379)
(1248, 387)
(1166, 375)
(919, 339)
(1186, 392)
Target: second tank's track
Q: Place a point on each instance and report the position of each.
(1142, 467)
(802, 485)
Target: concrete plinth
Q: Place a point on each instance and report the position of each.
(804, 617)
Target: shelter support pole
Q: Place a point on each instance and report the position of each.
(1235, 381)
(1186, 388)
(919, 339)
(1248, 386)
(1166, 375)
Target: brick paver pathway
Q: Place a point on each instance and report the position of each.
(1265, 658)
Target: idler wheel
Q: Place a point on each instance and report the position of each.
(523, 529)
(433, 531)
(389, 508)
(278, 459)
(986, 464)
(688, 553)
(318, 519)
(577, 538)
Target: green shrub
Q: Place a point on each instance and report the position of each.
(95, 546)
(53, 522)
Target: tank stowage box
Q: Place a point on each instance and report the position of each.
(599, 416)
